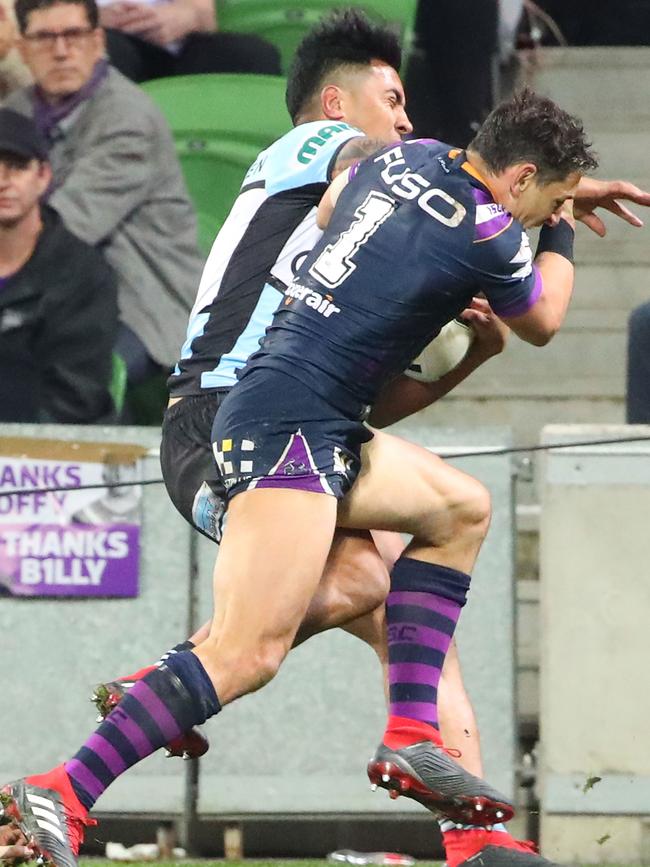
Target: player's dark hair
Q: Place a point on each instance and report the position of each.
(532, 128)
(345, 37)
(24, 7)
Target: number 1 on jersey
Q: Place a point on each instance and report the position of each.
(335, 262)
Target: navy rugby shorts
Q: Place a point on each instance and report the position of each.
(272, 431)
(191, 475)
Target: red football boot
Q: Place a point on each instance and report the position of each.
(413, 761)
(478, 847)
(50, 814)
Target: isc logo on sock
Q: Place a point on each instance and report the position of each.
(402, 633)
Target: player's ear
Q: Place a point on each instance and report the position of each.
(523, 175)
(331, 102)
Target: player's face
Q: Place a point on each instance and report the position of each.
(22, 183)
(61, 48)
(543, 203)
(374, 102)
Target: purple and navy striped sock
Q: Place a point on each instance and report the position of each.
(166, 702)
(422, 611)
(177, 648)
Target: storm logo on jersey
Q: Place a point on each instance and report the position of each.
(323, 304)
(244, 463)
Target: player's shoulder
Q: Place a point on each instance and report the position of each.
(310, 142)
(500, 243)
(496, 233)
(304, 155)
(413, 152)
(401, 158)
(430, 146)
(493, 224)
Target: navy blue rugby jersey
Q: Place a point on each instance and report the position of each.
(268, 233)
(415, 234)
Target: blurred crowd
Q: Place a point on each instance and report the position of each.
(99, 260)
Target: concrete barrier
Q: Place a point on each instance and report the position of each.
(299, 746)
(54, 651)
(595, 600)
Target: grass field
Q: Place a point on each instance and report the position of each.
(274, 862)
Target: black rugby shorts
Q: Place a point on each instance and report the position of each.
(191, 476)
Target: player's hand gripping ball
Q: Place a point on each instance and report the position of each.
(444, 353)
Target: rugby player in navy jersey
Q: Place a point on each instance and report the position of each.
(180, 694)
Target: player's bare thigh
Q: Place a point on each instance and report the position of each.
(272, 556)
(355, 583)
(404, 487)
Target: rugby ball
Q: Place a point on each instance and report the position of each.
(445, 352)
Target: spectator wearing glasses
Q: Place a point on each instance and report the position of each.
(117, 182)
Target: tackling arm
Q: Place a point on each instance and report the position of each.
(353, 151)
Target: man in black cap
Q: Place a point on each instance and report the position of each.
(58, 307)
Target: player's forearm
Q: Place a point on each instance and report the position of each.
(557, 275)
(554, 263)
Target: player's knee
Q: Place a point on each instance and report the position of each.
(368, 583)
(474, 509)
(264, 663)
(467, 509)
(353, 586)
(255, 663)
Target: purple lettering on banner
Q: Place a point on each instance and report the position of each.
(78, 560)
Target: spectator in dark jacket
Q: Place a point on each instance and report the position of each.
(58, 296)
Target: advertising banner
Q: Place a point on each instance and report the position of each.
(58, 538)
